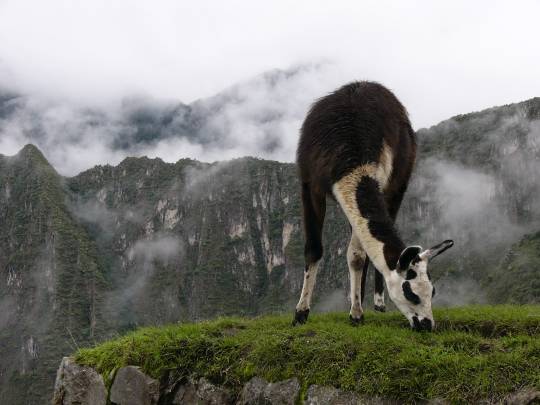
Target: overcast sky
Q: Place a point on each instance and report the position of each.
(440, 58)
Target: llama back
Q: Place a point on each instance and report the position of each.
(356, 125)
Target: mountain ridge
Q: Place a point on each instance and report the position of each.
(146, 242)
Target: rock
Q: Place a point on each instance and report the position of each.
(319, 395)
(201, 392)
(260, 392)
(253, 392)
(212, 394)
(76, 384)
(132, 387)
(186, 394)
(524, 396)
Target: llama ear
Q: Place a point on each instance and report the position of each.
(407, 256)
(437, 249)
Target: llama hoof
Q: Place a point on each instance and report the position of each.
(300, 317)
(380, 308)
(356, 321)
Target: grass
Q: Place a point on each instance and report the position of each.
(477, 352)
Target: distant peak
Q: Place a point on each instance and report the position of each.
(31, 153)
(30, 149)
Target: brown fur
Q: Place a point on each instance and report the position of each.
(345, 139)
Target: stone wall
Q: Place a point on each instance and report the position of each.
(81, 385)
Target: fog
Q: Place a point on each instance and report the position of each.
(82, 69)
(258, 117)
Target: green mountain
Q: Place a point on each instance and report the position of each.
(147, 242)
(51, 285)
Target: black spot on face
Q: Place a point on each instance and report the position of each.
(421, 325)
(409, 294)
(411, 274)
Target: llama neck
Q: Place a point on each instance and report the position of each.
(363, 203)
(384, 254)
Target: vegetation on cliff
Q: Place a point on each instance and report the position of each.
(477, 352)
(146, 242)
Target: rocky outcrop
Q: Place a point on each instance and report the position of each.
(79, 385)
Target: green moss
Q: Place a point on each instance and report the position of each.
(477, 352)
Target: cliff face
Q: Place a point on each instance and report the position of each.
(148, 242)
(51, 286)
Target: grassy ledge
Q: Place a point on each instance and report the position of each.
(477, 352)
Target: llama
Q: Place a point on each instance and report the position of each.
(358, 147)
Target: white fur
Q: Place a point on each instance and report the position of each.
(345, 193)
(310, 277)
(355, 259)
(378, 299)
(420, 285)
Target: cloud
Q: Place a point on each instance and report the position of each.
(457, 291)
(336, 300)
(259, 117)
(441, 58)
(129, 303)
(107, 219)
(449, 201)
(161, 248)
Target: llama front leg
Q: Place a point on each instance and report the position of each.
(313, 209)
(355, 259)
(302, 308)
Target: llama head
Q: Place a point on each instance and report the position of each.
(410, 286)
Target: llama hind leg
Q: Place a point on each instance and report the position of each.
(356, 258)
(314, 208)
(378, 297)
